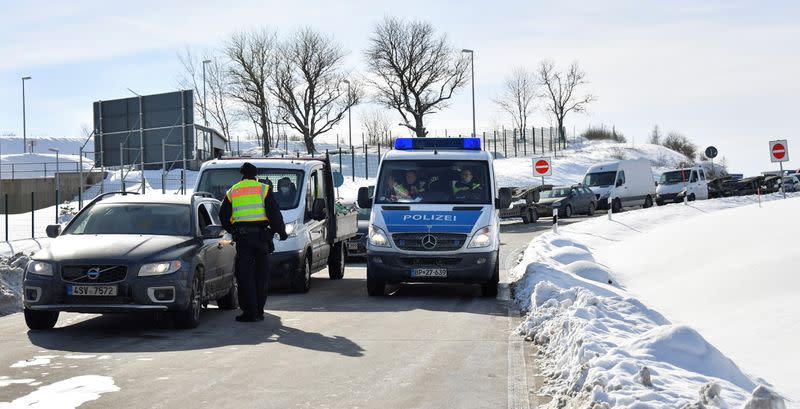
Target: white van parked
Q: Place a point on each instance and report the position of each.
(674, 185)
(624, 183)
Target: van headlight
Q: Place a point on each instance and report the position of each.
(160, 268)
(377, 237)
(291, 228)
(482, 238)
(39, 268)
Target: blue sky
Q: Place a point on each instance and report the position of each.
(720, 72)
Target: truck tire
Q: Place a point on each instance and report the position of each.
(229, 301)
(40, 320)
(190, 317)
(375, 286)
(336, 262)
(534, 214)
(616, 206)
(526, 216)
(301, 280)
(489, 289)
(648, 202)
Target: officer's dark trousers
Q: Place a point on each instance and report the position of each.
(252, 274)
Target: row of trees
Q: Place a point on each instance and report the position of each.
(301, 81)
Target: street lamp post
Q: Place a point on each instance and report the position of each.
(57, 178)
(205, 103)
(24, 125)
(472, 65)
(350, 128)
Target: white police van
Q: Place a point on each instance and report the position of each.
(434, 215)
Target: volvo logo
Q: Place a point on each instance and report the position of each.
(428, 242)
(93, 273)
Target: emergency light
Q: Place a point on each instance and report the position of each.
(410, 144)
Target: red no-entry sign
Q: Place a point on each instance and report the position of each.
(542, 167)
(779, 150)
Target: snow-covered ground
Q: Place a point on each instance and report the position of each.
(722, 272)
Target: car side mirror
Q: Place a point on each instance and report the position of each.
(212, 231)
(338, 179)
(318, 209)
(364, 198)
(503, 200)
(53, 230)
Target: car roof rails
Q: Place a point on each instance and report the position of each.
(203, 194)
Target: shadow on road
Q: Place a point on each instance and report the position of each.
(142, 333)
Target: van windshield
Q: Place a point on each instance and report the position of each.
(599, 179)
(434, 181)
(286, 183)
(674, 177)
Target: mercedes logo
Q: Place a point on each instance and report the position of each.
(428, 242)
(93, 273)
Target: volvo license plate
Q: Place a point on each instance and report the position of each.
(92, 290)
(429, 272)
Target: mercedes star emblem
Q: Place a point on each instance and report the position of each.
(428, 242)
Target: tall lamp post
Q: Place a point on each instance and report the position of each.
(24, 125)
(205, 104)
(57, 178)
(350, 129)
(472, 65)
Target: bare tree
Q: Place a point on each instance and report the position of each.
(252, 57)
(655, 136)
(308, 83)
(218, 89)
(376, 124)
(415, 69)
(517, 97)
(561, 92)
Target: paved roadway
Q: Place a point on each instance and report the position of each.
(425, 346)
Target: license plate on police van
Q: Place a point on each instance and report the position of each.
(429, 272)
(92, 290)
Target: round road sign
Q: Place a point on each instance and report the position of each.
(541, 167)
(711, 152)
(778, 151)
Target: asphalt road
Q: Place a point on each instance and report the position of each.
(425, 346)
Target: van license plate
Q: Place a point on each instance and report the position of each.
(429, 272)
(92, 290)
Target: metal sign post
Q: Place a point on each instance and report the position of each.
(779, 152)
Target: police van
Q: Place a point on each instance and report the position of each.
(434, 215)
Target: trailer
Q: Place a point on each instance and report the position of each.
(523, 203)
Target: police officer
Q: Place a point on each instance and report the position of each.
(466, 187)
(411, 188)
(251, 215)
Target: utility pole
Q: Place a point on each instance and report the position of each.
(472, 65)
(205, 103)
(24, 125)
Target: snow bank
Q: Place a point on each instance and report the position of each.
(11, 270)
(601, 347)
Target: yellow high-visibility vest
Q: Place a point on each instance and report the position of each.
(247, 200)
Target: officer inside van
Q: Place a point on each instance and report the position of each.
(466, 188)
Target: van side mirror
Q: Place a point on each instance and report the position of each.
(619, 183)
(503, 200)
(212, 231)
(338, 179)
(364, 198)
(318, 209)
(53, 230)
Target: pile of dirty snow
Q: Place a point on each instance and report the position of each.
(11, 269)
(603, 347)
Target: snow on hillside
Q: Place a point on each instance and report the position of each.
(720, 278)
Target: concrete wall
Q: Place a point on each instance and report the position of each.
(44, 195)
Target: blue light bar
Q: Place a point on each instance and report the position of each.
(408, 144)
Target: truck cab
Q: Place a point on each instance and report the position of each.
(675, 185)
(434, 215)
(304, 191)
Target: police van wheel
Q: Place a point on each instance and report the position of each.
(489, 289)
(336, 262)
(301, 282)
(230, 301)
(375, 287)
(40, 320)
(190, 317)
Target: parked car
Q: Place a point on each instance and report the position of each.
(132, 253)
(620, 184)
(674, 185)
(357, 245)
(566, 201)
(791, 183)
(316, 225)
